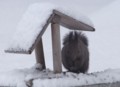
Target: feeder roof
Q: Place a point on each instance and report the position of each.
(36, 20)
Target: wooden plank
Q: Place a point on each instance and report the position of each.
(56, 45)
(20, 51)
(115, 84)
(40, 54)
(41, 33)
(72, 23)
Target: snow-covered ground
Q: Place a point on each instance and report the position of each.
(104, 42)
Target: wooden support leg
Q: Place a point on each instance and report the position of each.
(40, 54)
(55, 29)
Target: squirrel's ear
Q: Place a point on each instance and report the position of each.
(84, 39)
(66, 38)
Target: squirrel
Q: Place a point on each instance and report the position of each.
(75, 53)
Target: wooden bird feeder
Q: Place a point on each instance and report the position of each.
(56, 19)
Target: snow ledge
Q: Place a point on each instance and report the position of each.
(45, 78)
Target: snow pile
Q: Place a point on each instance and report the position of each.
(12, 78)
(33, 21)
(45, 78)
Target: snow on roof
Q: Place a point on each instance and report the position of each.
(46, 78)
(33, 22)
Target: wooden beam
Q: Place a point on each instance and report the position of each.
(40, 54)
(42, 32)
(21, 51)
(72, 23)
(56, 45)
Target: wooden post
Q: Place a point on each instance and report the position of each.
(40, 54)
(55, 29)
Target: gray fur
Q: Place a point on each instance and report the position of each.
(75, 54)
